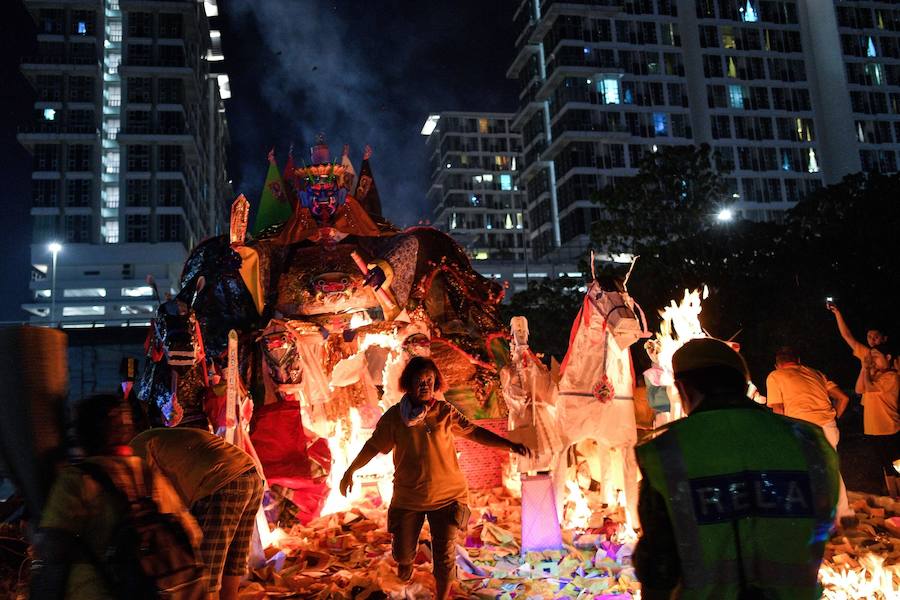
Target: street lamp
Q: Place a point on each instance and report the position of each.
(54, 248)
(725, 215)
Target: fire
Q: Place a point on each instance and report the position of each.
(871, 579)
(680, 324)
(576, 508)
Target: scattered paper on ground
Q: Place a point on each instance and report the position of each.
(347, 555)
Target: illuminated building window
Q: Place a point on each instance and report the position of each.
(748, 13)
(660, 123)
(735, 96)
(609, 89)
(506, 182)
(870, 49)
(813, 163)
(875, 72)
(85, 293)
(137, 292)
(82, 28)
(49, 114)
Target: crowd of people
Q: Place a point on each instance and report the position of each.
(737, 499)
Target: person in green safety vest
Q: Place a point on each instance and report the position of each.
(736, 502)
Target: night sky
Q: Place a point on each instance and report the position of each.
(361, 72)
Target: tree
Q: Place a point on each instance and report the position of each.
(674, 195)
(550, 305)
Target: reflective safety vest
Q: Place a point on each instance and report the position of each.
(751, 497)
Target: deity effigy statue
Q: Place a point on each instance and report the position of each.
(327, 301)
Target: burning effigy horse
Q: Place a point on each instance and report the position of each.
(325, 304)
(589, 409)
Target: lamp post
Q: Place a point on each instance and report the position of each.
(725, 215)
(54, 248)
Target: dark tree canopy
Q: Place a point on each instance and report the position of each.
(675, 194)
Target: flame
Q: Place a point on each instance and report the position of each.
(358, 319)
(680, 324)
(576, 508)
(349, 437)
(870, 579)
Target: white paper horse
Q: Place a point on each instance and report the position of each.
(594, 398)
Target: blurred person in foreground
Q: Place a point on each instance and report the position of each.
(82, 516)
(221, 487)
(800, 392)
(428, 482)
(736, 502)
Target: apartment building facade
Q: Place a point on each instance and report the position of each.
(791, 95)
(472, 160)
(129, 142)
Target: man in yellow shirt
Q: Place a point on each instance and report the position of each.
(427, 480)
(800, 392)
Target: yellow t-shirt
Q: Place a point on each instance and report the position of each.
(79, 505)
(803, 392)
(426, 473)
(880, 415)
(196, 462)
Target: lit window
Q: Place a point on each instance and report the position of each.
(453, 221)
(736, 96)
(83, 311)
(110, 231)
(508, 224)
(870, 50)
(661, 123)
(49, 114)
(587, 51)
(813, 163)
(609, 88)
(728, 38)
(85, 293)
(748, 13)
(137, 292)
(876, 73)
(506, 182)
(629, 97)
(82, 28)
(481, 255)
(785, 161)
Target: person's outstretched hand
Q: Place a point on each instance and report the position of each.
(521, 449)
(831, 306)
(346, 483)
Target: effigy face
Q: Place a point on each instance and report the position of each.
(323, 199)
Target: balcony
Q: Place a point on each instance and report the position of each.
(69, 60)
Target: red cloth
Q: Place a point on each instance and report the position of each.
(291, 457)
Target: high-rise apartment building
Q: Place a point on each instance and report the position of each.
(870, 48)
(791, 94)
(128, 140)
(473, 158)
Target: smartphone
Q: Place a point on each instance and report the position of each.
(829, 302)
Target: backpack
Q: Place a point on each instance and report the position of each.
(150, 555)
